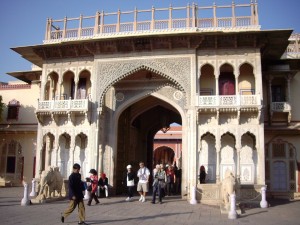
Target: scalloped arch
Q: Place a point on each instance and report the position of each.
(245, 62)
(207, 133)
(139, 68)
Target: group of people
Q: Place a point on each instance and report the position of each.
(165, 182)
(95, 186)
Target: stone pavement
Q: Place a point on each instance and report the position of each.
(115, 210)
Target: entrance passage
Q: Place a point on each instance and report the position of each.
(137, 127)
(163, 155)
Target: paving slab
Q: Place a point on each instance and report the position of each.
(116, 211)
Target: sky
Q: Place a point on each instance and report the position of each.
(23, 22)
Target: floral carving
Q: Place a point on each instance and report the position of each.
(176, 70)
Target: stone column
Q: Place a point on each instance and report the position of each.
(76, 90)
(217, 86)
(261, 155)
(218, 149)
(236, 85)
(48, 152)
(238, 164)
(270, 99)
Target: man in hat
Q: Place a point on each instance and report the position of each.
(129, 181)
(75, 195)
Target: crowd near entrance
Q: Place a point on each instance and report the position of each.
(137, 126)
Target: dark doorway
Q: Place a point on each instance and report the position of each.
(137, 127)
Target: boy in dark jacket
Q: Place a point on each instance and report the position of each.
(75, 195)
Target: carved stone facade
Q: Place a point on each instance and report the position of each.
(101, 103)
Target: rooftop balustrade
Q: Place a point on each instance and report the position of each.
(293, 49)
(171, 19)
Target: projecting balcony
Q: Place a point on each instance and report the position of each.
(228, 101)
(63, 105)
(70, 111)
(281, 107)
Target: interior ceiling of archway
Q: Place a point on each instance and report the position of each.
(152, 114)
(152, 106)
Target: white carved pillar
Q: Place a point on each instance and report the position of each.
(56, 156)
(39, 150)
(48, 152)
(217, 86)
(236, 85)
(238, 163)
(72, 152)
(100, 165)
(76, 89)
(260, 147)
(218, 148)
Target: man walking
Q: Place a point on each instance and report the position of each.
(143, 184)
(75, 195)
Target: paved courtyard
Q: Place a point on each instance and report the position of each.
(115, 210)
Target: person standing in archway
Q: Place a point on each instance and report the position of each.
(143, 184)
(129, 181)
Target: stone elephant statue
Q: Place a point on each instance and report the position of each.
(228, 188)
(51, 181)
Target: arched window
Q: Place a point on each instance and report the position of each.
(13, 110)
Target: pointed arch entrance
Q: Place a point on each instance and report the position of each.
(137, 126)
(163, 155)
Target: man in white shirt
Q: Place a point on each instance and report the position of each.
(143, 184)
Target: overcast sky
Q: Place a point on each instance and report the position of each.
(23, 22)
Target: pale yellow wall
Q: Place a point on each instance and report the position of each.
(23, 130)
(28, 145)
(28, 99)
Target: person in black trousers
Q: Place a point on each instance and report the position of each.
(129, 181)
(75, 195)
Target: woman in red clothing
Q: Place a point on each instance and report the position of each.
(94, 184)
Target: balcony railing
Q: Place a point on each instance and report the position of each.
(280, 107)
(228, 100)
(63, 105)
(187, 18)
(293, 49)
